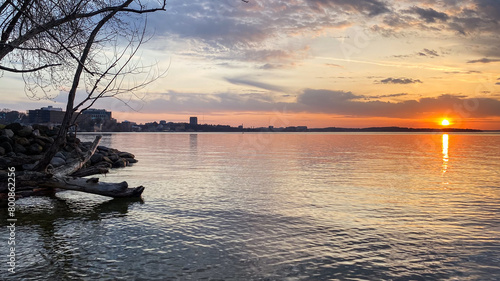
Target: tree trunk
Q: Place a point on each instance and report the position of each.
(76, 164)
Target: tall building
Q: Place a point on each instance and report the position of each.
(95, 114)
(193, 121)
(46, 115)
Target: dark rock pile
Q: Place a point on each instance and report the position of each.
(22, 146)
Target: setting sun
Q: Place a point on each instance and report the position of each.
(445, 122)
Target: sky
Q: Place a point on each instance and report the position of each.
(315, 63)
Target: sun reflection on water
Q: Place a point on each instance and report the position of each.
(445, 156)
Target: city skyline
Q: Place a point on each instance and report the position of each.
(315, 63)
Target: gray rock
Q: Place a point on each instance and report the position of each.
(9, 133)
(96, 158)
(106, 159)
(131, 160)
(35, 149)
(104, 164)
(45, 139)
(25, 131)
(14, 127)
(6, 139)
(60, 155)
(36, 133)
(8, 148)
(2, 151)
(28, 167)
(120, 163)
(4, 162)
(57, 161)
(126, 155)
(18, 148)
(22, 141)
(39, 141)
(103, 148)
(113, 157)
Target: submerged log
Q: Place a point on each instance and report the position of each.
(92, 185)
(37, 183)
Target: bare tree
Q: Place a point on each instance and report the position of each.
(70, 45)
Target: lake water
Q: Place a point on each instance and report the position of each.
(275, 207)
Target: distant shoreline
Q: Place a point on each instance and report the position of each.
(220, 129)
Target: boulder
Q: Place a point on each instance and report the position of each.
(5, 162)
(15, 127)
(39, 141)
(45, 139)
(120, 163)
(96, 158)
(131, 160)
(18, 148)
(8, 133)
(36, 133)
(2, 151)
(104, 164)
(60, 155)
(35, 148)
(7, 147)
(22, 141)
(41, 128)
(57, 161)
(113, 157)
(25, 131)
(106, 159)
(126, 155)
(6, 139)
(29, 166)
(103, 148)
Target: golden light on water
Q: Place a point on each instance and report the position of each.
(445, 140)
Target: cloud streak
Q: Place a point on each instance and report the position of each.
(399, 81)
(343, 103)
(484, 60)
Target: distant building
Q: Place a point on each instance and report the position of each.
(51, 108)
(46, 115)
(96, 114)
(301, 128)
(193, 121)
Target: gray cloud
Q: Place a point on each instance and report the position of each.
(429, 15)
(484, 60)
(427, 52)
(370, 7)
(252, 83)
(399, 81)
(326, 101)
(385, 96)
(232, 30)
(346, 103)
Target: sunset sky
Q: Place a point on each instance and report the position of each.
(315, 63)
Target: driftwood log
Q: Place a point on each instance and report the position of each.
(61, 179)
(93, 185)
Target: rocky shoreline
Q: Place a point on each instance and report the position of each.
(22, 146)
